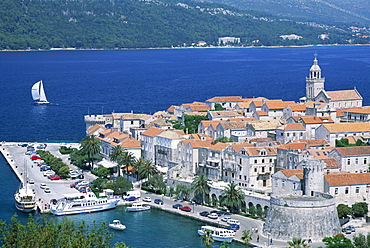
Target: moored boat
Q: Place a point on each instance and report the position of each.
(138, 206)
(116, 224)
(25, 199)
(80, 203)
(218, 234)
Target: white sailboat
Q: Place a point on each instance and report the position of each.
(38, 93)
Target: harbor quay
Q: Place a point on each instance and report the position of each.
(24, 167)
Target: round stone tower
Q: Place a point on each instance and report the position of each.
(313, 177)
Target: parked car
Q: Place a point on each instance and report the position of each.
(233, 227)
(45, 168)
(226, 219)
(147, 199)
(73, 185)
(31, 181)
(186, 209)
(232, 221)
(47, 190)
(353, 229)
(36, 157)
(213, 216)
(177, 206)
(54, 177)
(215, 212)
(158, 201)
(131, 198)
(43, 185)
(49, 173)
(204, 213)
(53, 201)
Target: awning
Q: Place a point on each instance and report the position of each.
(107, 164)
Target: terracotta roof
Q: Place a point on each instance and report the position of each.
(242, 119)
(319, 154)
(171, 134)
(209, 123)
(313, 142)
(219, 146)
(297, 107)
(261, 113)
(244, 105)
(311, 104)
(347, 179)
(226, 113)
(340, 112)
(260, 98)
(162, 122)
(293, 146)
(278, 104)
(238, 146)
(197, 113)
(254, 151)
(342, 95)
(198, 143)
(297, 172)
(171, 108)
(292, 127)
(233, 125)
(152, 132)
(199, 136)
(225, 99)
(353, 151)
(364, 110)
(130, 116)
(91, 130)
(331, 163)
(265, 125)
(348, 127)
(130, 142)
(199, 107)
(309, 119)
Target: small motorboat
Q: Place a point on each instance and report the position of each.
(116, 224)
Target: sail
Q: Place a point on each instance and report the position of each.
(42, 93)
(35, 91)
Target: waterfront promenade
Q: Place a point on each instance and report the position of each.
(16, 158)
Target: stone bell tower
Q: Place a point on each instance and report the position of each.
(313, 177)
(314, 83)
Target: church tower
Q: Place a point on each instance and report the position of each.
(314, 83)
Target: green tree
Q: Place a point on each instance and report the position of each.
(120, 185)
(337, 241)
(201, 186)
(232, 197)
(218, 107)
(90, 146)
(343, 210)
(128, 160)
(207, 238)
(246, 237)
(147, 169)
(222, 140)
(157, 183)
(298, 243)
(360, 209)
(183, 191)
(361, 241)
(116, 155)
(252, 210)
(192, 122)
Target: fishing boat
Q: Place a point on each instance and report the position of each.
(25, 197)
(85, 202)
(116, 224)
(138, 206)
(218, 234)
(38, 93)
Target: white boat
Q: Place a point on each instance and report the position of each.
(25, 197)
(116, 224)
(138, 206)
(80, 203)
(38, 93)
(218, 234)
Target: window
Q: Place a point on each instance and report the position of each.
(255, 169)
(283, 184)
(263, 160)
(356, 161)
(348, 161)
(240, 161)
(336, 191)
(255, 161)
(365, 160)
(346, 190)
(263, 169)
(357, 190)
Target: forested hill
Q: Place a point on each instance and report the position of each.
(44, 24)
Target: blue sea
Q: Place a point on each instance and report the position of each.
(145, 81)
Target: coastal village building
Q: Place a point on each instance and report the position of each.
(130, 120)
(208, 128)
(262, 129)
(290, 132)
(337, 131)
(352, 159)
(356, 114)
(148, 139)
(311, 123)
(224, 115)
(232, 129)
(275, 108)
(227, 102)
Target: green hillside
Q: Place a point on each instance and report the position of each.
(109, 24)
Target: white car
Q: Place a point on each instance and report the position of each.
(43, 185)
(49, 173)
(226, 219)
(232, 221)
(47, 190)
(147, 199)
(213, 216)
(31, 181)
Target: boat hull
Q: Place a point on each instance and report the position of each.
(84, 209)
(134, 209)
(219, 234)
(117, 227)
(25, 209)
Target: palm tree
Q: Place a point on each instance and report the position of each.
(246, 237)
(128, 159)
(201, 186)
(116, 156)
(232, 197)
(147, 169)
(139, 163)
(207, 238)
(182, 191)
(90, 146)
(298, 243)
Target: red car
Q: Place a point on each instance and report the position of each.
(54, 177)
(186, 209)
(36, 157)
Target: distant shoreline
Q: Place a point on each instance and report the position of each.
(164, 48)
